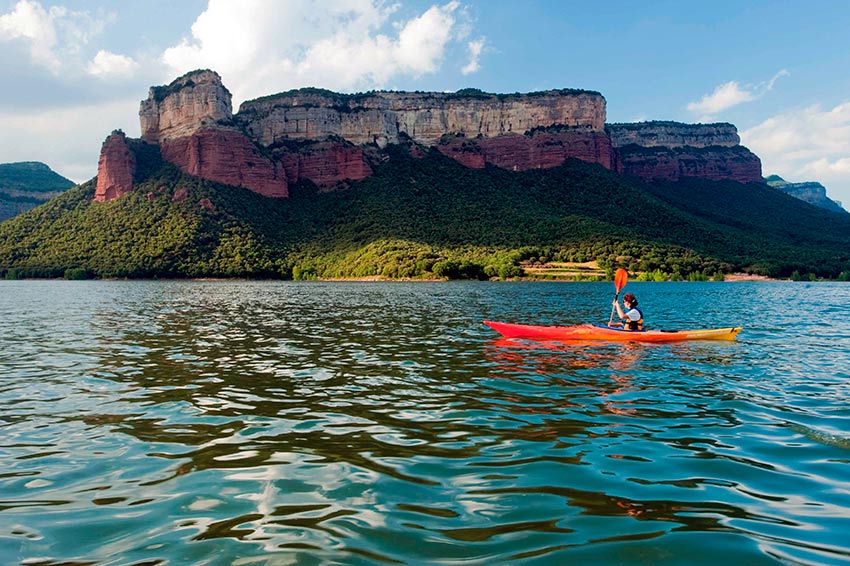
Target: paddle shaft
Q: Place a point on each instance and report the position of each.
(613, 308)
(620, 279)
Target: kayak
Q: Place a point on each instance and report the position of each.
(607, 333)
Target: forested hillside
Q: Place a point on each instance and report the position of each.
(426, 218)
(27, 184)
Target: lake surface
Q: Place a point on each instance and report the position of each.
(381, 423)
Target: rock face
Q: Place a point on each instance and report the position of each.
(425, 117)
(226, 156)
(671, 150)
(325, 163)
(811, 192)
(190, 103)
(115, 169)
(539, 149)
(673, 134)
(329, 138)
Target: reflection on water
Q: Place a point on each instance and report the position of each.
(238, 422)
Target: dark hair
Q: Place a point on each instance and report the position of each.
(630, 298)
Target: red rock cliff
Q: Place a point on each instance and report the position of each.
(226, 156)
(672, 150)
(535, 150)
(115, 169)
(329, 138)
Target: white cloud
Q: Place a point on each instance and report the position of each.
(54, 37)
(106, 64)
(422, 41)
(46, 135)
(474, 48)
(731, 94)
(811, 144)
(60, 116)
(264, 46)
(724, 96)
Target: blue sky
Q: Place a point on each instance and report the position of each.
(75, 70)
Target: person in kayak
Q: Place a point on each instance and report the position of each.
(633, 316)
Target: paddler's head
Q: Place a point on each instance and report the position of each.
(630, 300)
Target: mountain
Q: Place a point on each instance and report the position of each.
(332, 139)
(810, 191)
(27, 184)
(310, 183)
(423, 215)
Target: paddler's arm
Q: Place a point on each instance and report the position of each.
(620, 312)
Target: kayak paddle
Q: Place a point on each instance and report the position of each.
(620, 279)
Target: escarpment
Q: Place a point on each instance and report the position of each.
(424, 117)
(330, 139)
(671, 150)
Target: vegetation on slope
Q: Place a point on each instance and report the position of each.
(31, 177)
(424, 218)
(27, 184)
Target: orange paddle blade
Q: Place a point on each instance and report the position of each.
(620, 279)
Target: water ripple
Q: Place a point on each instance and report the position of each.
(225, 422)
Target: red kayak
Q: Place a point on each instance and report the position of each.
(608, 333)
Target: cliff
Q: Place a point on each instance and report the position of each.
(671, 151)
(424, 117)
(115, 169)
(673, 134)
(190, 103)
(330, 139)
(810, 192)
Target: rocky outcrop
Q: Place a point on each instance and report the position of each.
(811, 192)
(673, 134)
(535, 150)
(424, 117)
(329, 138)
(670, 151)
(226, 156)
(115, 169)
(191, 120)
(195, 101)
(671, 164)
(324, 163)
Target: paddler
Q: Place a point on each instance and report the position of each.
(632, 317)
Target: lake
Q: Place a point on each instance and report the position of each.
(237, 422)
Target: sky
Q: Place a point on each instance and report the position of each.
(74, 70)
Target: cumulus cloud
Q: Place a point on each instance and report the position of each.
(107, 64)
(67, 139)
(263, 46)
(731, 94)
(54, 37)
(474, 48)
(811, 144)
(724, 96)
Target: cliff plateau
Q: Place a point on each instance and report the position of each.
(330, 139)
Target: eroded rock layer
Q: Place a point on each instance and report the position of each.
(226, 156)
(115, 169)
(330, 138)
(425, 117)
(541, 149)
(671, 164)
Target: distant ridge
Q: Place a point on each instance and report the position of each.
(26, 184)
(810, 191)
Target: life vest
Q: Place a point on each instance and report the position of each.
(629, 324)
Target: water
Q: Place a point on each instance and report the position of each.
(382, 423)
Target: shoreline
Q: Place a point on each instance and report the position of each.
(731, 278)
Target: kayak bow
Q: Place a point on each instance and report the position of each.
(606, 333)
